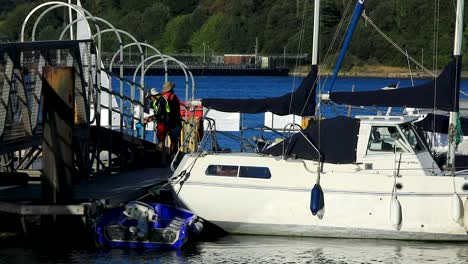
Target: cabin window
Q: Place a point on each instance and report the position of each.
(255, 172)
(412, 138)
(222, 170)
(386, 139)
(234, 171)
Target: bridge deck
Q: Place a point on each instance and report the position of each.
(116, 189)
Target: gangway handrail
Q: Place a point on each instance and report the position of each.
(78, 9)
(134, 102)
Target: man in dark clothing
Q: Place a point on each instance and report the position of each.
(175, 120)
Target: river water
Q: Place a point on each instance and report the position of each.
(255, 249)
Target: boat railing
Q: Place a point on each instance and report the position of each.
(210, 142)
(250, 139)
(291, 127)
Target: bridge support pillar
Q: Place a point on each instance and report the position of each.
(57, 145)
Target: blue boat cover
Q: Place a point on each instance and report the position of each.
(441, 93)
(336, 139)
(440, 124)
(302, 104)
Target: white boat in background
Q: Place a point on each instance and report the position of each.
(363, 177)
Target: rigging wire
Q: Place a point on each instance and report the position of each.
(394, 44)
(299, 49)
(319, 71)
(326, 57)
(346, 13)
(409, 68)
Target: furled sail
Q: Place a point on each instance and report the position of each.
(303, 101)
(334, 145)
(441, 93)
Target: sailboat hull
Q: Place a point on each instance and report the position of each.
(357, 203)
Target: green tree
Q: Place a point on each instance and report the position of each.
(176, 34)
(10, 28)
(209, 34)
(153, 23)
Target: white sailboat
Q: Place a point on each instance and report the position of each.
(363, 177)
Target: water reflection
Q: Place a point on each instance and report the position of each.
(248, 249)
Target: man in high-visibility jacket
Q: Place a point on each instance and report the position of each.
(175, 120)
(161, 115)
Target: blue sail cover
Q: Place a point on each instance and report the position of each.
(336, 138)
(303, 101)
(441, 93)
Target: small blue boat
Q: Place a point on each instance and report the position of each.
(141, 225)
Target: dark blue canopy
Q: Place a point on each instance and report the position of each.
(303, 101)
(336, 139)
(440, 124)
(441, 93)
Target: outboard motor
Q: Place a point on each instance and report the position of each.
(141, 212)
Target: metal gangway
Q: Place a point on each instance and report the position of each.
(66, 121)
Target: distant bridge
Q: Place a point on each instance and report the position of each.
(204, 69)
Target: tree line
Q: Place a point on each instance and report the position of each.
(421, 27)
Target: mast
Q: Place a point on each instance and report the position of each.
(316, 32)
(458, 57)
(352, 26)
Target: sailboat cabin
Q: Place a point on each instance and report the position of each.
(376, 144)
(386, 141)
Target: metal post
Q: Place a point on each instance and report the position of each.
(70, 16)
(316, 32)
(204, 52)
(350, 106)
(454, 114)
(256, 51)
(284, 57)
(422, 58)
(121, 75)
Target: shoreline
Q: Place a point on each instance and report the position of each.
(367, 74)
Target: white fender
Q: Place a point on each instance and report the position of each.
(465, 219)
(395, 213)
(457, 209)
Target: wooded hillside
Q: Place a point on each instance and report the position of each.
(232, 26)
